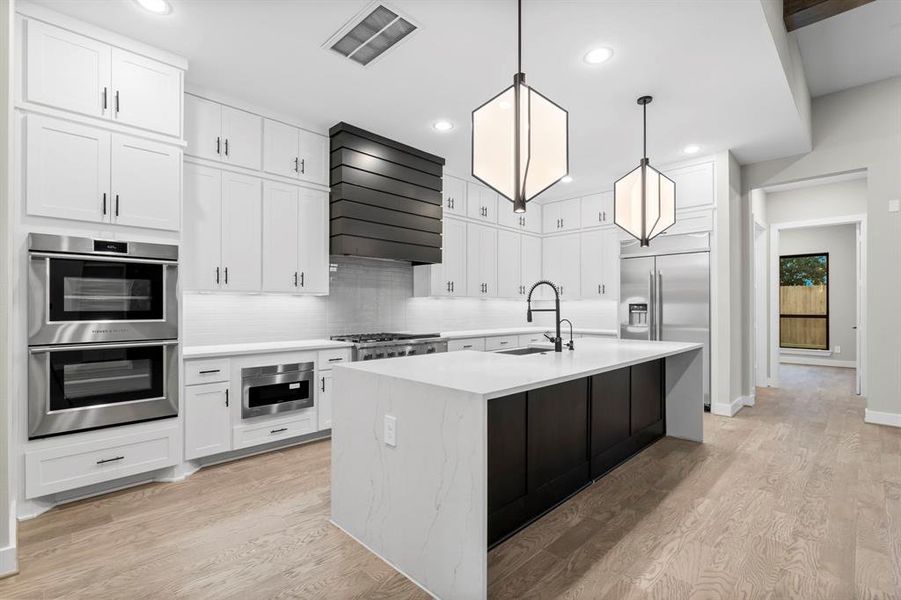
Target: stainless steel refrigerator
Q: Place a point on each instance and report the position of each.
(665, 292)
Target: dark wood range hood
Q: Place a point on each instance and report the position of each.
(385, 198)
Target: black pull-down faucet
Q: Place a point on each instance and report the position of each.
(558, 340)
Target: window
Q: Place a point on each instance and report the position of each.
(804, 301)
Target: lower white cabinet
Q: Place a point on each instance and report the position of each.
(325, 400)
(207, 419)
(561, 264)
(481, 261)
(501, 342)
(599, 250)
(222, 232)
(301, 423)
(57, 468)
(475, 344)
(79, 172)
(295, 239)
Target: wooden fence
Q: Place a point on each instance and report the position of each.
(795, 332)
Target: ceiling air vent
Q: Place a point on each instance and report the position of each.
(371, 34)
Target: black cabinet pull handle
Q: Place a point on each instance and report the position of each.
(104, 97)
(323, 384)
(448, 286)
(218, 145)
(296, 163)
(279, 430)
(109, 460)
(467, 346)
(226, 397)
(226, 275)
(502, 343)
(217, 275)
(117, 205)
(303, 167)
(301, 279)
(338, 359)
(208, 371)
(599, 288)
(226, 146)
(295, 278)
(452, 286)
(604, 288)
(104, 203)
(117, 102)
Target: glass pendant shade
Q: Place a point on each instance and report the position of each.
(520, 153)
(644, 200)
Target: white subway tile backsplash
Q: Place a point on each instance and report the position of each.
(366, 295)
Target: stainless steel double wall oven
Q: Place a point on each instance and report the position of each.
(102, 333)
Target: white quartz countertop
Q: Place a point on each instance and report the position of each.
(260, 348)
(473, 333)
(493, 375)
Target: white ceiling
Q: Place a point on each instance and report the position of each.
(711, 66)
(853, 48)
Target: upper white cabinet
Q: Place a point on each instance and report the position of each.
(561, 264)
(481, 202)
(600, 264)
(222, 234)
(597, 210)
(454, 196)
(75, 171)
(447, 278)
(694, 185)
(528, 221)
(76, 73)
(292, 152)
(295, 240)
(481, 261)
(564, 215)
(222, 133)
(146, 93)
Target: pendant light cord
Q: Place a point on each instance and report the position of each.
(644, 148)
(519, 37)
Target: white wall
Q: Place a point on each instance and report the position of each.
(837, 199)
(858, 129)
(840, 241)
(365, 295)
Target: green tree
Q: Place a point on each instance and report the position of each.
(803, 270)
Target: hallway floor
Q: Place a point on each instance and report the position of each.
(795, 497)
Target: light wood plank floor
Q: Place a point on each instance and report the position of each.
(794, 498)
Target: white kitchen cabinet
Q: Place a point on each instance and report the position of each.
(597, 210)
(600, 264)
(473, 344)
(203, 123)
(242, 138)
(324, 401)
(481, 261)
(454, 196)
(509, 262)
(530, 270)
(528, 221)
(201, 240)
(146, 93)
(207, 420)
(299, 423)
(241, 233)
(501, 342)
(611, 249)
(66, 70)
(481, 202)
(560, 264)
(280, 240)
(295, 239)
(67, 170)
(146, 183)
(292, 152)
(564, 215)
(694, 185)
(447, 278)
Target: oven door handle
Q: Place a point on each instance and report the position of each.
(114, 346)
(104, 258)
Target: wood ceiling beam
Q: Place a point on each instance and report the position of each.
(799, 13)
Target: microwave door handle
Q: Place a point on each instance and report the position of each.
(42, 349)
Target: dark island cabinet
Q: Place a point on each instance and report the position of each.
(546, 444)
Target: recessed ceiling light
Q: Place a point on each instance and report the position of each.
(443, 125)
(158, 7)
(598, 56)
(691, 149)
(566, 179)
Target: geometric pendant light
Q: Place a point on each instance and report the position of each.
(520, 140)
(644, 200)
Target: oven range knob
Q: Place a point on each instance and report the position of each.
(430, 350)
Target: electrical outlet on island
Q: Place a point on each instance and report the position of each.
(390, 430)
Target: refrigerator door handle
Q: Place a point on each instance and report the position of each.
(659, 314)
(652, 301)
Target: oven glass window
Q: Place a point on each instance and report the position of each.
(265, 395)
(82, 378)
(98, 290)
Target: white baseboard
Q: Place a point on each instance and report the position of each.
(9, 562)
(882, 418)
(749, 400)
(728, 410)
(817, 361)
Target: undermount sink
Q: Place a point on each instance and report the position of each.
(520, 351)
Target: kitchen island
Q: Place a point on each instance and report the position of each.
(437, 457)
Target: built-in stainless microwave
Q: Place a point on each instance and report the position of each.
(83, 290)
(276, 389)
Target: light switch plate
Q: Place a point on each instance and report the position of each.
(390, 430)
(894, 205)
(838, 350)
